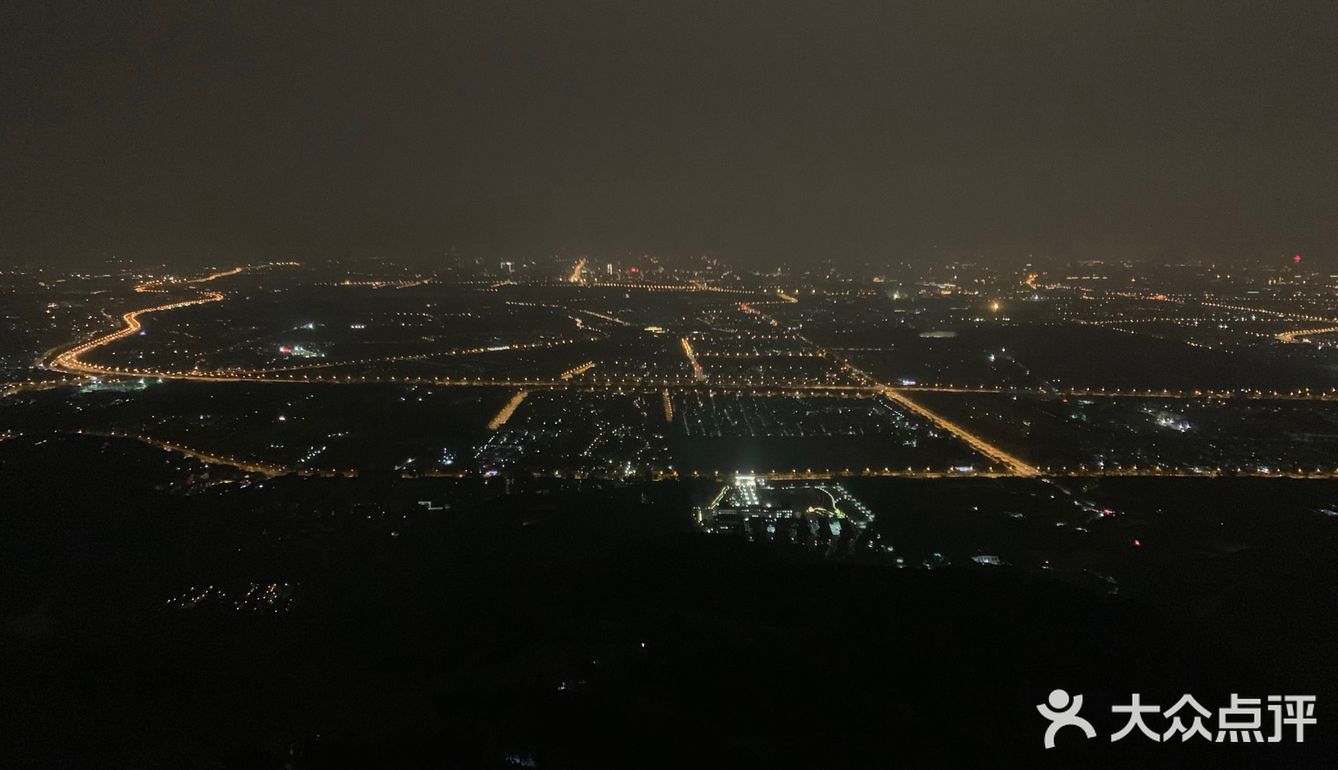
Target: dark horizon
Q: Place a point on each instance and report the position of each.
(760, 132)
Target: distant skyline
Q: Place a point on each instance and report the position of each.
(763, 132)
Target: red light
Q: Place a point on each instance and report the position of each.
(634, 270)
(1138, 543)
(1297, 259)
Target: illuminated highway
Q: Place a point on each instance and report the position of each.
(27, 386)
(995, 454)
(576, 269)
(796, 474)
(71, 362)
(697, 371)
(508, 409)
(1300, 334)
(211, 458)
(576, 371)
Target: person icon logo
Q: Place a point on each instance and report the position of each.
(1062, 711)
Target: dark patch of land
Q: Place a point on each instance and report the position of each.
(580, 627)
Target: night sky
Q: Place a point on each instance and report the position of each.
(760, 131)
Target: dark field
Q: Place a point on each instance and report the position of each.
(576, 630)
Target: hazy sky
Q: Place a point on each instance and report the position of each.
(824, 129)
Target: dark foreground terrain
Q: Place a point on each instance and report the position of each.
(153, 614)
